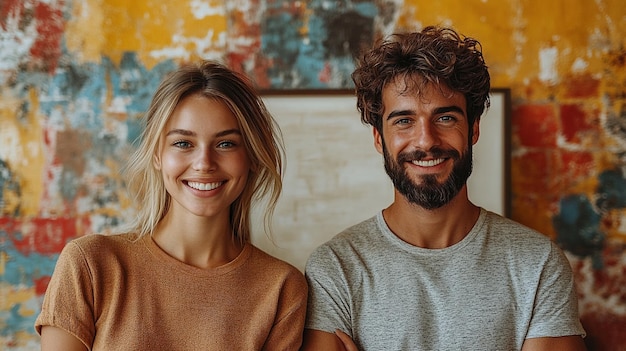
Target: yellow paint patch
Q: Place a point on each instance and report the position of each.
(84, 31)
(21, 136)
(14, 296)
(4, 257)
(156, 30)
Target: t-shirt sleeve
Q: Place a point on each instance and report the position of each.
(329, 298)
(68, 301)
(286, 333)
(556, 306)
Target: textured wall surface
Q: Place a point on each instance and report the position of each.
(76, 75)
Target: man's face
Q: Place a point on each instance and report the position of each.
(425, 143)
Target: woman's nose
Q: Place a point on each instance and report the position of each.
(204, 160)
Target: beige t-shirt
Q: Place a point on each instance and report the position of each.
(117, 293)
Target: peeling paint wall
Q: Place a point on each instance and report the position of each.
(76, 75)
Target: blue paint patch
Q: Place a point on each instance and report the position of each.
(337, 32)
(368, 8)
(23, 270)
(280, 43)
(13, 322)
(133, 81)
(77, 93)
(611, 190)
(577, 227)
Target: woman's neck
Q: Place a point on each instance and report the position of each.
(198, 241)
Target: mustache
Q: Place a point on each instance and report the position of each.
(434, 153)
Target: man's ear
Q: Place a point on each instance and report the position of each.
(378, 140)
(475, 131)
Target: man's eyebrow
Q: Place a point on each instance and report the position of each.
(452, 108)
(400, 113)
(439, 110)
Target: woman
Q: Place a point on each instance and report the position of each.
(186, 277)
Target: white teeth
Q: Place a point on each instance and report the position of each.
(429, 163)
(204, 186)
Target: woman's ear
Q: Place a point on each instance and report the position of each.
(156, 161)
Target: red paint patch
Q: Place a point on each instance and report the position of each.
(576, 123)
(41, 285)
(575, 167)
(550, 172)
(43, 235)
(535, 125)
(581, 86)
(8, 9)
(50, 26)
(530, 173)
(326, 73)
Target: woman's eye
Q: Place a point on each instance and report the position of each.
(225, 144)
(182, 144)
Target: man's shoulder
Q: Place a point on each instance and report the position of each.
(355, 237)
(513, 229)
(355, 233)
(518, 238)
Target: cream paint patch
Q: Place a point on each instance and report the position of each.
(201, 9)
(579, 65)
(548, 58)
(211, 46)
(597, 296)
(15, 40)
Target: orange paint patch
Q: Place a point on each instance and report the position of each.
(581, 86)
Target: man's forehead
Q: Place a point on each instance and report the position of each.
(417, 86)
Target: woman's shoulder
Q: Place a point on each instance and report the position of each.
(272, 263)
(102, 244)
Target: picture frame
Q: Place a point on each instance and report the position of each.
(334, 177)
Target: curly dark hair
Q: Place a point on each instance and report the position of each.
(433, 55)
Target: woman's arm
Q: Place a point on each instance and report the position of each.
(57, 339)
(320, 340)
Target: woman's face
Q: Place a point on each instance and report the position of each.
(202, 157)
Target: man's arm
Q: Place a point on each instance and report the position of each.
(315, 340)
(564, 343)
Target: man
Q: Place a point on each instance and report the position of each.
(433, 271)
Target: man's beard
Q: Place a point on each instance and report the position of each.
(430, 194)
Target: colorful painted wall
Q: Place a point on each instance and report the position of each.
(76, 75)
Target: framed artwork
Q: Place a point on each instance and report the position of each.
(334, 176)
(300, 45)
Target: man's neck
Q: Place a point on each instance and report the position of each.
(432, 229)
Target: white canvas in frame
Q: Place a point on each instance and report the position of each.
(334, 177)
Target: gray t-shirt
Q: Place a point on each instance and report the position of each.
(501, 284)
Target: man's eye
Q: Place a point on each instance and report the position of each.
(403, 121)
(447, 118)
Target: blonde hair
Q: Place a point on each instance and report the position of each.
(261, 134)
